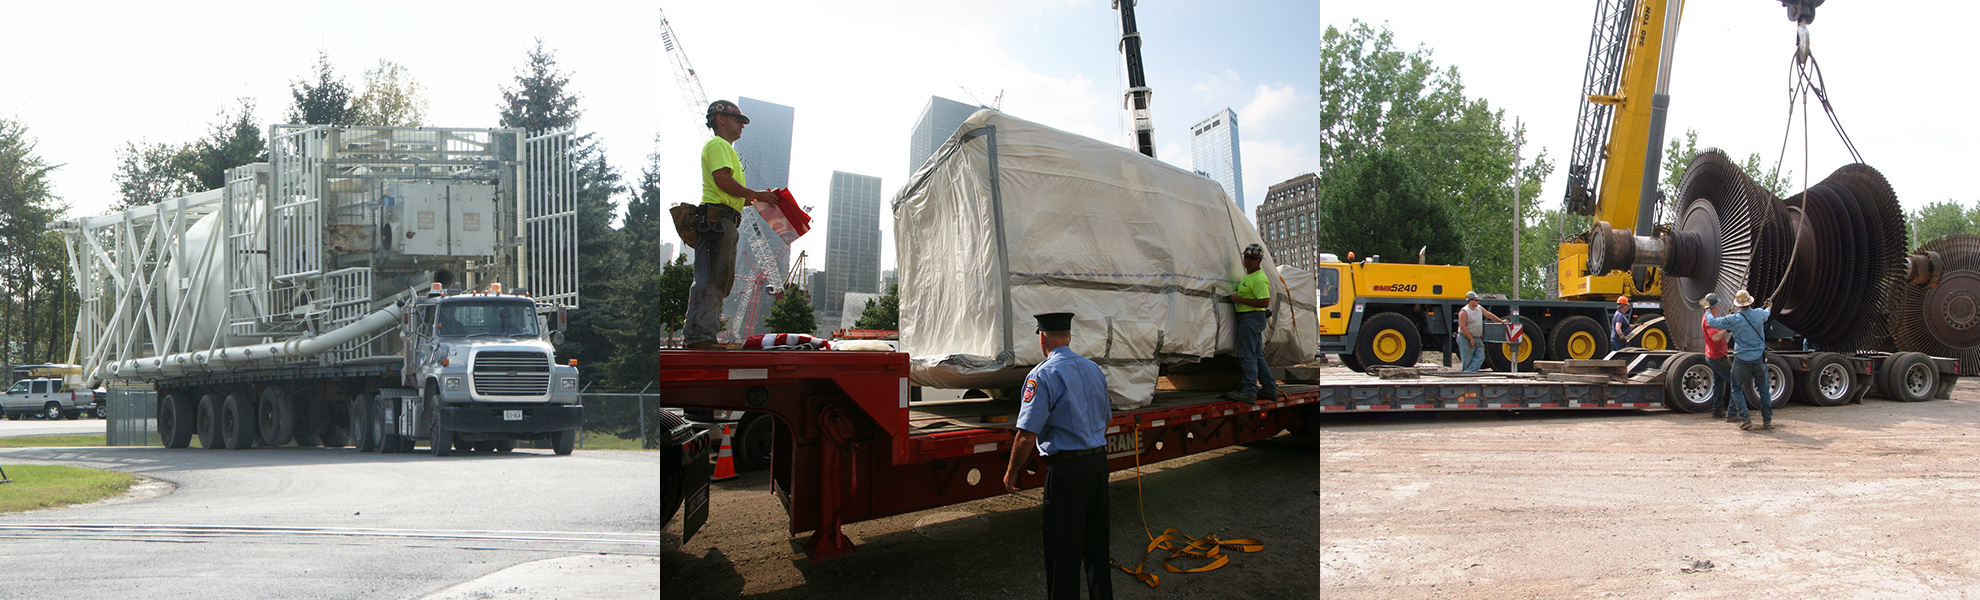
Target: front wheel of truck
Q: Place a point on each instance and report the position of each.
(565, 441)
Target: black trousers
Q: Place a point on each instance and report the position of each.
(1075, 526)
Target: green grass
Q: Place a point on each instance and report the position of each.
(48, 486)
(593, 440)
(44, 441)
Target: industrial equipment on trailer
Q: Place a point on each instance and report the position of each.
(349, 290)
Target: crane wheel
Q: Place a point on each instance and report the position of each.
(1577, 338)
(1388, 339)
(1502, 355)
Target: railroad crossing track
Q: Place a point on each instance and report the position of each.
(622, 543)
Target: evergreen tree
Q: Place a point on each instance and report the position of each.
(325, 101)
(642, 225)
(231, 141)
(675, 279)
(883, 312)
(791, 313)
(539, 102)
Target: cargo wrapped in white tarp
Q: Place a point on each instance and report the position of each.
(1011, 218)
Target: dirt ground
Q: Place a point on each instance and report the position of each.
(1876, 500)
(991, 548)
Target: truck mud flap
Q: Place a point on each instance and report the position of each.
(694, 504)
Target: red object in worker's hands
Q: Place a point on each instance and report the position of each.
(786, 218)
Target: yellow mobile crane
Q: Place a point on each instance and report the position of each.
(1374, 313)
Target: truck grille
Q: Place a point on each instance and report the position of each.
(511, 374)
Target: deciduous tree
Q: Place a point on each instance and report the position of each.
(791, 313)
(391, 98)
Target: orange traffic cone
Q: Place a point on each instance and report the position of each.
(725, 461)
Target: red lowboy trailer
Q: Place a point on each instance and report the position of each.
(849, 447)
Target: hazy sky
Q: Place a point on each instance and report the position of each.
(1896, 73)
(87, 77)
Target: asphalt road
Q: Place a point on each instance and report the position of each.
(991, 548)
(26, 427)
(322, 523)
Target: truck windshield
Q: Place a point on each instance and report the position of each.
(487, 318)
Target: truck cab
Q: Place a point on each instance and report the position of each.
(484, 365)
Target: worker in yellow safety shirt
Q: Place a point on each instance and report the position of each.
(723, 196)
(1253, 299)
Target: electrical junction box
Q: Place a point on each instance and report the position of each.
(441, 219)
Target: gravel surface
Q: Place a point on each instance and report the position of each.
(512, 508)
(991, 548)
(1864, 501)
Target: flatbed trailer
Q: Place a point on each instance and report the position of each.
(1680, 381)
(850, 448)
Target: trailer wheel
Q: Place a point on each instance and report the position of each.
(177, 414)
(1577, 338)
(209, 423)
(1828, 381)
(755, 438)
(1912, 377)
(362, 436)
(237, 422)
(564, 442)
(1388, 339)
(276, 414)
(1501, 355)
(1780, 383)
(1689, 382)
(1352, 363)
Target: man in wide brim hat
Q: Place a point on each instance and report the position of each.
(1748, 326)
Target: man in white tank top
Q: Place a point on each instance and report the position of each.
(1471, 332)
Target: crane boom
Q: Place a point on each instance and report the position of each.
(1137, 98)
(684, 75)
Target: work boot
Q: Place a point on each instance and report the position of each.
(1732, 418)
(1718, 414)
(1238, 396)
(1767, 424)
(1746, 424)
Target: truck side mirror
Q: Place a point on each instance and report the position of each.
(557, 338)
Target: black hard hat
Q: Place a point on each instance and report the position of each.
(725, 107)
(1711, 300)
(1054, 321)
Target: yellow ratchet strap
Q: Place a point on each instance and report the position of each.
(1208, 547)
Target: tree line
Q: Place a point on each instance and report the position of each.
(613, 337)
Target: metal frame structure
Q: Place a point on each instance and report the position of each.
(302, 242)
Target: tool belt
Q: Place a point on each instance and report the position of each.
(691, 221)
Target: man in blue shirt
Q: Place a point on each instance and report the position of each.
(1747, 326)
(1619, 324)
(1064, 416)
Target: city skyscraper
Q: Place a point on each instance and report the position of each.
(939, 120)
(852, 242)
(666, 253)
(1213, 151)
(762, 258)
(1289, 220)
(766, 143)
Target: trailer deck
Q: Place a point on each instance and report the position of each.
(1349, 392)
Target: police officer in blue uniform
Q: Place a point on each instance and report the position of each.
(1064, 416)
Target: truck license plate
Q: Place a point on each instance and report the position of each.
(512, 415)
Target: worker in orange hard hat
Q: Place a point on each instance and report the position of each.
(1619, 324)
